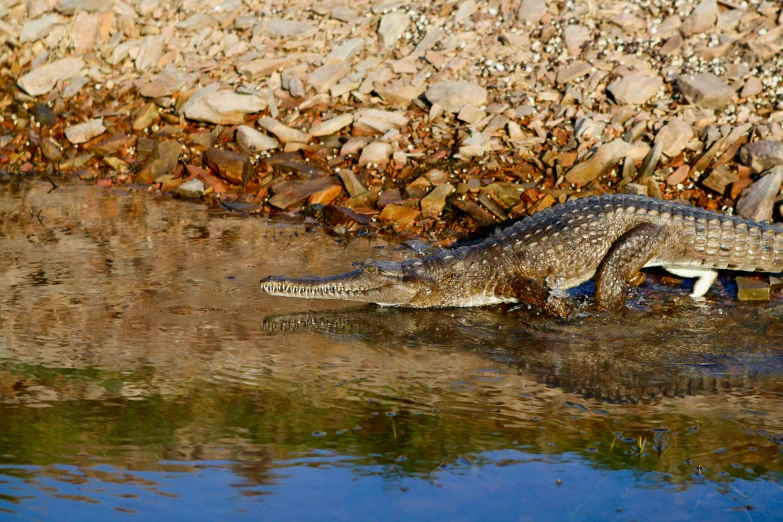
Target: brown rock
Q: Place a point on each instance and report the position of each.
(749, 289)
(757, 200)
(296, 167)
(229, 165)
(326, 196)
(480, 215)
(604, 159)
(351, 182)
(290, 194)
(161, 161)
(114, 144)
(400, 215)
(145, 117)
(762, 155)
(705, 90)
(719, 180)
(432, 204)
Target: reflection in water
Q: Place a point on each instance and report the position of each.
(142, 370)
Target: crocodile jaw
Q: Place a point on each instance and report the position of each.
(380, 283)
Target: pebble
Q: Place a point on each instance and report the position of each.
(263, 67)
(75, 85)
(162, 160)
(376, 153)
(401, 215)
(34, 30)
(752, 87)
(635, 88)
(86, 131)
(280, 28)
(703, 18)
(331, 126)
(453, 95)
(291, 194)
(604, 159)
(391, 28)
(572, 72)
(283, 132)
(674, 137)
(229, 165)
(762, 155)
(756, 201)
(193, 189)
(326, 76)
(44, 78)
(433, 203)
(706, 90)
(224, 107)
(251, 141)
(532, 11)
(44, 114)
(575, 36)
(351, 183)
(720, 179)
(145, 116)
(150, 52)
(749, 289)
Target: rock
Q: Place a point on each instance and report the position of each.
(224, 107)
(719, 180)
(84, 132)
(587, 129)
(674, 136)
(84, 31)
(474, 146)
(34, 30)
(756, 201)
(51, 149)
(150, 52)
(532, 11)
(572, 72)
(604, 159)
(651, 160)
(325, 196)
(44, 114)
(263, 67)
(325, 128)
(161, 161)
(635, 88)
(326, 76)
(453, 95)
(345, 52)
(376, 153)
(433, 203)
(229, 165)
(251, 141)
(418, 188)
(399, 92)
(400, 215)
(75, 85)
(751, 88)
(351, 183)
(145, 117)
(70, 7)
(284, 133)
(113, 144)
(437, 176)
(291, 194)
(703, 18)
(291, 163)
(376, 120)
(636, 189)
(705, 90)
(671, 46)
(575, 37)
(280, 28)
(749, 289)
(762, 155)
(481, 216)
(391, 28)
(43, 79)
(470, 114)
(465, 11)
(193, 189)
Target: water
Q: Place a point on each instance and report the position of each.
(143, 373)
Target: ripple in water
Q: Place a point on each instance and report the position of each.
(489, 374)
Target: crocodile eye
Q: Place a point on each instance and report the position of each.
(371, 269)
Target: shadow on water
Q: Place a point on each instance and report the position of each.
(142, 370)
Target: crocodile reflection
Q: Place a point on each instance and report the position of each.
(628, 358)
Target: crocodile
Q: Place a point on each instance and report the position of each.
(610, 237)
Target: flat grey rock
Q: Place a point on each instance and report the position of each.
(224, 107)
(43, 79)
(193, 188)
(756, 201)
(34, 30)
(84, 132)
(705, 90)
(703, 18)
(762, 155)
(453, 95)
(391, 28)
(280, 28)
(251, 141)
(636, 88)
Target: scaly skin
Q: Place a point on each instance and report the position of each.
(612, 236)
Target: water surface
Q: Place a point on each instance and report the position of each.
(144, 374)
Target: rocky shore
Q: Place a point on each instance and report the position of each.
(425, 119)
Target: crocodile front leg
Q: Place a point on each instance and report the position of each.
(535, 293)
(625, 258)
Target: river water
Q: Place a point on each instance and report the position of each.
(144, 374)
